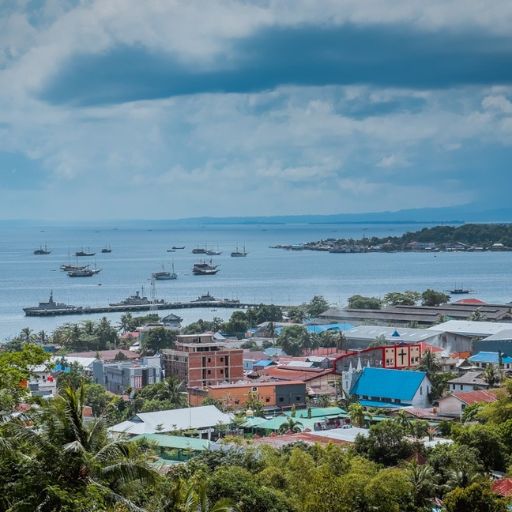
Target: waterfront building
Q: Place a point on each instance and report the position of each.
(199, 360)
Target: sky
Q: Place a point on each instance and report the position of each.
(161, 109)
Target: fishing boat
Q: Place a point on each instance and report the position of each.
(107, 249)
(86, 272)
(163, 275)
(42, 251)
(198, 250)
(178, 247)
(84, 253)
(239, 254)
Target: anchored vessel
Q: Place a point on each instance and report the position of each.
(205, 269)
(51, 308)
(239, 254)
(42, 250)
(84, 272)
(164, 275)
(84, 253)
(107, 249)
(136, 300)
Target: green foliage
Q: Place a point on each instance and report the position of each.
(407, 298)
(237, 325)
(477, 497)
(156, 339)
(294, 339)
(316, 306)
(263, 313)
(362, 302)
(434, 298)
(86, 336)
(385, 444)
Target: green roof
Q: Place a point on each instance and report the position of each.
(317, 412)
(178, 442)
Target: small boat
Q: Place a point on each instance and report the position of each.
(107, 249)
(164, 275)
(178, 247)
(213, 253)
(171, 250)
(459, 291)
(198, 250)
(86, 272)
(84, 253)
(239, 254)
(205, 269)
(42, 251)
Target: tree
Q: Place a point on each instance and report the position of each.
(237, 324)
(491, 375)
(293, 339)
(156, 339)
(433, 298)
(65, 464)
(407, 298)
(316, 306)
(477, 497)
(296, 314)
(290, 425)
(429, 363)
(362, 302)
(356, 413)
(385, 443)
(423, 483)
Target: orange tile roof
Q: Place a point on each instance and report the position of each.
(304, 374)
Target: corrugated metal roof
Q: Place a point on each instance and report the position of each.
(490, 357)
(472, 328)
(178, 442)
(392, 384)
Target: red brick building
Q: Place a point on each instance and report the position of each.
(199, 360)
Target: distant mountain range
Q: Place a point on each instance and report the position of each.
(450, 215)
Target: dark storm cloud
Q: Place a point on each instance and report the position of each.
(305, 56)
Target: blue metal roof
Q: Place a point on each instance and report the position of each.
(490, 358)
(380, 405)
(273, 351)
(337, 327)
(384, 383)
(263, 362)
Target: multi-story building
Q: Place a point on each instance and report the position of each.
(120, 377)
(199, 360)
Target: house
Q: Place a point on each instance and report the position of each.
(108, 356)
(199, 360)
(502, 487)
(454, 404)
(42, 381)
(470, 381)
(120, 377)
(236, 395)
(201, 419)
(380, 387)
(172, 321)
(483, 359)
(263, 363)
(317, 380)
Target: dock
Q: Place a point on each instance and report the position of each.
(128, 308)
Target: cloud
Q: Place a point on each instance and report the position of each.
(306, 55)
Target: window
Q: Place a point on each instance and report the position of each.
(461, 387)
(281, 399)
(298, 398)
(237, 402)
(209, 372)
(221, 372)
(421, 390)
(209, 360)
(221, 359)
(267, 400)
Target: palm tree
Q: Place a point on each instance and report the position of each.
(290, 425)
(404, 420)
(71, 457)
(491, 375)
(26, 334)
(356, 413)
(422, 480)
(172, 390)
(196, 500)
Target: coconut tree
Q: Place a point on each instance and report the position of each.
(422, 480)
(290, 425)
(63, 462)
(356, 413)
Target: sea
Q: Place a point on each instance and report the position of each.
(266, 275)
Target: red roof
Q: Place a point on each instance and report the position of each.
(427, 347)
(503, 487)
(470, 301)
(476, 397)
(303, 374)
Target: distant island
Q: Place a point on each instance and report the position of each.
(468, 237)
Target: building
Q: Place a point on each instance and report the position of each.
(203, 420)
(499, 342)
(380, 387)
(199, 360)
(41, 381)
(363, 335)
(470, 381)
(483, 359)
(270, 394)
(107, 356)
(386, 356)
(454, 404)
(121, 377)
(172, 321)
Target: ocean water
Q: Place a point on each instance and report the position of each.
(265, 275)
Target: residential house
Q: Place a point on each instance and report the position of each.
(470, 381)
(483, 359)
(454, 404)
(380, 387)
(172, 321)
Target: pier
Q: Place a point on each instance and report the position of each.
(128, 308)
